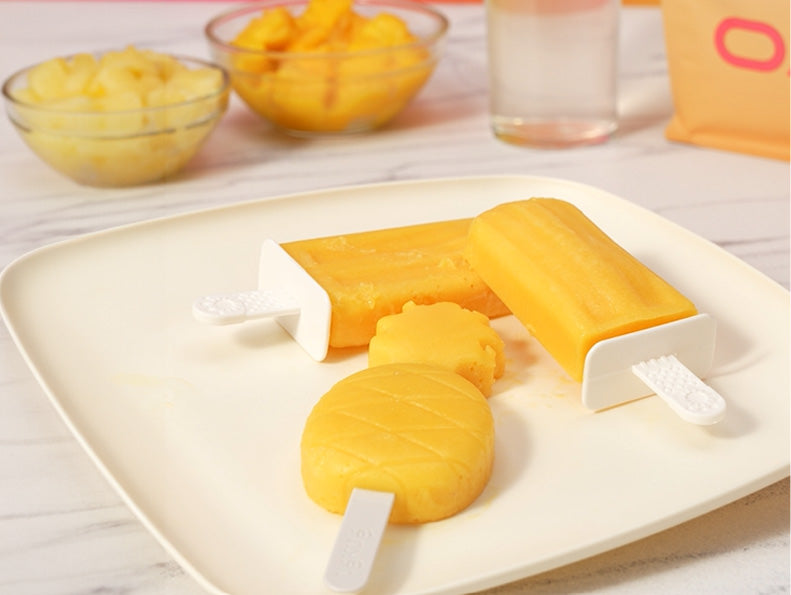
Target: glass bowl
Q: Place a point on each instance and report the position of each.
(319, 89)
(116, 145)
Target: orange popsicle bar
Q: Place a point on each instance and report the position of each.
(371, 274)
(568, 282)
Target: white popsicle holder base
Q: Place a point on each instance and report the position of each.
(667, 360)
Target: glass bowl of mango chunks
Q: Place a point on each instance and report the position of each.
(325, 67)
(119, 118)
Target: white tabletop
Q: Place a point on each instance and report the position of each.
(64, 530)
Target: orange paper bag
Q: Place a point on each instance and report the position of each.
(729, 74)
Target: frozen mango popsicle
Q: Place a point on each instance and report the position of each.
(331, 291)
(575, 288)
(372, 274)
(568, 282)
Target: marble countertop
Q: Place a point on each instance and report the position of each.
(62, 527)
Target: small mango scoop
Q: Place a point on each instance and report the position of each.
(331, 291)
(606, 318)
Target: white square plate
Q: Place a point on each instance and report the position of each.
(198, 427)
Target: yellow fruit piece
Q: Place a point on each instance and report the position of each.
(26, 95)
(47, 80)
(382, 30)
(324, 14)
(420, 432)
(81, 69)
(442, 334)
(568, 282)
(128, 121)
(131, 61)
(195, 83)
(164, 65)
(371, 274)
(111, 80)
(273, 30)
(313, 39)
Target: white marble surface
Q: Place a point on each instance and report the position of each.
(62, 528)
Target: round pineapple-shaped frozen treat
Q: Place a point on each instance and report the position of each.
(419, 431)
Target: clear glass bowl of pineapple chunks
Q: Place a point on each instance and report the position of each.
(328, 67)
(120, 118)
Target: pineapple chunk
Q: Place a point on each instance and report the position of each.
(112, 80)
(81, 69)
(195, 83)
(48, 80)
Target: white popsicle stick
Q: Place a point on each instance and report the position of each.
(286, 293)
(358, 540)
(232, 308)
(691, 398)
(668, 360)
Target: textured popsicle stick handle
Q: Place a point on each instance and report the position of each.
(286, 293)
(358, 540)
(691, 398)
(231, 308)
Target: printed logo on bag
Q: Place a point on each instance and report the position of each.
(761, 35)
